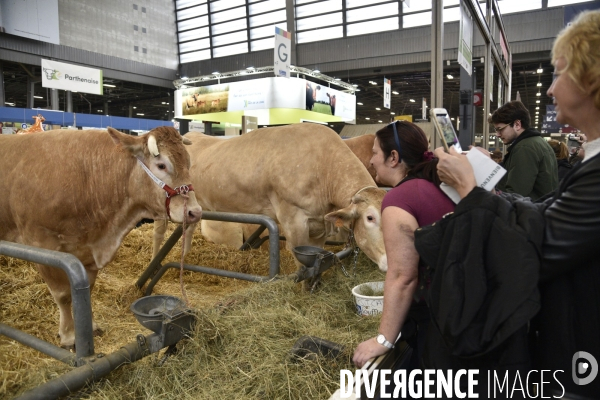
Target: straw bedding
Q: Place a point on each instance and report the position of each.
(241, 347)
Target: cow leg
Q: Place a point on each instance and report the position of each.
(160, 227)
(92, 274)
(60, 288)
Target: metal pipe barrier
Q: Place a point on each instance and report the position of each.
(229, 274)
(156, 270)
(95, 369)
(80, 299)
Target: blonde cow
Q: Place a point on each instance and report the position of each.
(81, 192)
(303, 176)
(235, 234)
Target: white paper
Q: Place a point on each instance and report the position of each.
(487, 173)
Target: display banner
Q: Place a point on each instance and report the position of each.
(283, 53)
(387, 92)
(465, 39)
(265, 93)
(58, 75)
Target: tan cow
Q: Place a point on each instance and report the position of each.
(81, 192)
(300, 175)
(235, 234)
(362, 147)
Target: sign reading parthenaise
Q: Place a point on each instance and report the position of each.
(57, 75)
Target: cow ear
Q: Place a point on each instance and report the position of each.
(343, 217)
(186, 141)
(129, 143)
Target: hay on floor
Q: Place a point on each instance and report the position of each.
(242, 341)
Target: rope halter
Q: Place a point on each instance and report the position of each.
(170, 192)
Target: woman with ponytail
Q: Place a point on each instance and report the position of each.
(402, 159)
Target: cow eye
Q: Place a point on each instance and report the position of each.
(162, 166)
(370, 218)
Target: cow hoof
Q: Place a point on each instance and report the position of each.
(70, 347)
(98, 332)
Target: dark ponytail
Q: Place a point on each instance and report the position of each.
(414, 149)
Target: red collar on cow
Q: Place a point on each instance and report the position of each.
(183, 189)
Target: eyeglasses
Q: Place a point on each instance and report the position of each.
(497, 129)
(396, 139)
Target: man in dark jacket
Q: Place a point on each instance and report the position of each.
(529, 161)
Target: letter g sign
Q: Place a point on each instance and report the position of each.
(282, 56)
(580, 367)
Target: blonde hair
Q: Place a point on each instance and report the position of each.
(579, 45)
(560, 149)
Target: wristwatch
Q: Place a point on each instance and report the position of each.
(383, 341)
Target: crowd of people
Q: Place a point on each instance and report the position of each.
(508, 279)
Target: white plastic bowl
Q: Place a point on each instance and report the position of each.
(368, 305)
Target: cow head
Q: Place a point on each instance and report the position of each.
(363, 215)
(162, 151)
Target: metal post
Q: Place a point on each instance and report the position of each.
(69, 96)
(485, 127)
(437, 68)
(30, 91)
(54, 99)
(1, 86)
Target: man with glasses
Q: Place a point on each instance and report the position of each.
(529, 161)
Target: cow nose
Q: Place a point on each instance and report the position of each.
(194, 215)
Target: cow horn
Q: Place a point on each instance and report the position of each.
(152, 146)
(186, 140)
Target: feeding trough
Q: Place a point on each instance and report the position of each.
(165, 315)
(314, 260)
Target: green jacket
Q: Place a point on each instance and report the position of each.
(531, 167)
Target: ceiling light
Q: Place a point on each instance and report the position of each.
(108, 85)
(10, 104)
(452, 119)
(378, 109)
(537, 112)
(537, 101)
(134, 107)
(538, 94)
(394, 92)
(249, 68)
(139, 114)
(316, 71)
(337, 79)
(163, 103)
(99, 110)
(37, 97)
(540, 70)
(215, 73)
(393, 113)
(355, 85)
(357, 90)
(412, 100)
(184, 77)
(379, 121)
(537, 108)
(539, 84)
(367, 118)
(360, 104)
(449, 76)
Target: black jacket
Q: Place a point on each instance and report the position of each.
(563, 168)
(486, 262)
(569, 318)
